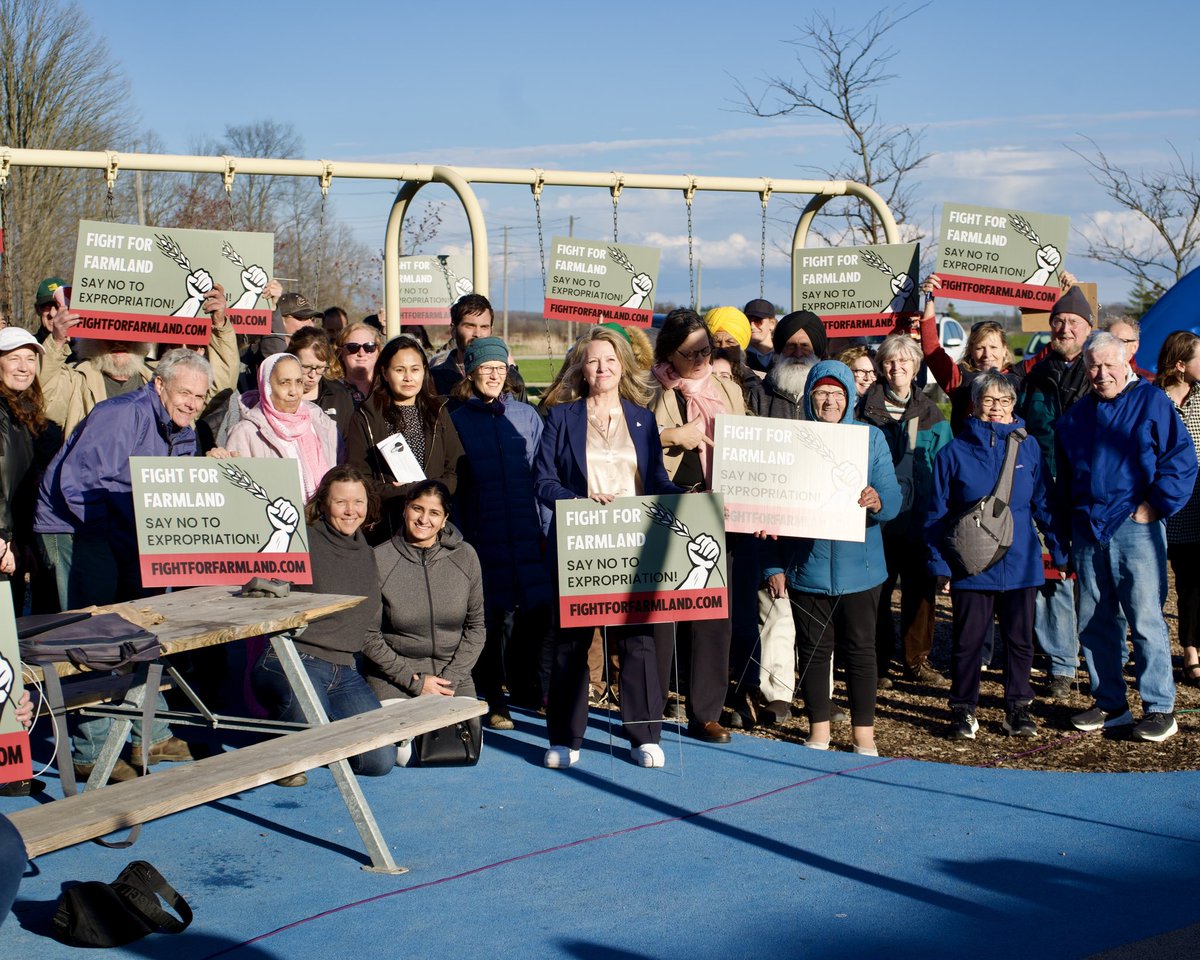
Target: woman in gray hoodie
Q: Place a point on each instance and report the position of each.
(432, 587)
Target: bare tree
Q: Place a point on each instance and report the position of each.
(60, 90)
(1166, 204)
(843, 70)
(419, 231)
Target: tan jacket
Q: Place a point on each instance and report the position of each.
(665, 407)
(70, 391)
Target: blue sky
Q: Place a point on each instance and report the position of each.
(1000, 90)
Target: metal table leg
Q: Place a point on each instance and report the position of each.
(343, 776)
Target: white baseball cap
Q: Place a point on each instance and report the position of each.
(13, 337)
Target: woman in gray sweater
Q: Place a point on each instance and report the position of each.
(330, 648)
(432, 587)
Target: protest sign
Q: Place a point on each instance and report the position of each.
(429, 285)
(148, 283)
(1000, 255)
(858, 290)
(793, 478)
(595, 281)
(15, 763)
(641, 560)
(204, 522)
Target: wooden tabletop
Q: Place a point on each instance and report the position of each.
(206, 616)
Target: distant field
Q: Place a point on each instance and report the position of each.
(538, 370)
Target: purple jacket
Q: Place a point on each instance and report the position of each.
(87, 484)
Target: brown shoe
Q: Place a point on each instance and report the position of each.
(22, 788)
(172, 750)
(711, 732)
(923, 673)
(295, 780)
(499, 719)
(121, 772)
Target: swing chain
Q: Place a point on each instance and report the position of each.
(443, 259)
(326, 178)
(539, 181)
(615, 189)
(227, 177)
(110, 179)
(765, 195)
(688, 195)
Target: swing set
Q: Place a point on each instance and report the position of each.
(412, 177)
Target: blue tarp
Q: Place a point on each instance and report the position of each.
(1177, 309)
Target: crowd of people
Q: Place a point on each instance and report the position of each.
(1097, 466)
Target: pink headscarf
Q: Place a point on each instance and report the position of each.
(296, 427)
(704, 399)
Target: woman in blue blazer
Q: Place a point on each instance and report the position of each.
(601, 446)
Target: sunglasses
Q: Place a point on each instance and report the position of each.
(353, 348)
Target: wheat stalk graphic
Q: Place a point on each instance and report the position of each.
(173, 251)
(618, 257)
(664, 517)
(241, 479)
(232, 255)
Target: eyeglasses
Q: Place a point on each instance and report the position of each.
(317, 370)
(353, 348)
(693, 355)
(1004, 403)
(821, 396)
(1061, 321)
(864, 374)
(493, 370)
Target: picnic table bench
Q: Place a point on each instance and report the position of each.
(201, 617)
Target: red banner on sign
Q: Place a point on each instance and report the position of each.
(253, 323)
(15, 763)
(222, 569)
(596, 313)
(997, 291)
(865, 324)
(141, 327)
(608, 609)
(429, 316)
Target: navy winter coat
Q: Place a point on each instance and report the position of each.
(967, 470)
(1115, 454)
(495, 507)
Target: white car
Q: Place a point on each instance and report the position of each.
(952, 337)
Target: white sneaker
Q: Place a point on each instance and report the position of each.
(559, 758)
(403, 753)
(648, 755)
(816, 744)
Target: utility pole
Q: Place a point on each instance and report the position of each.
(506, 284)
(141, 199)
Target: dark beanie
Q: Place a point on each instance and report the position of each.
(804, 320)
(1073, 301)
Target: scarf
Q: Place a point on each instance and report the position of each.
(295, 427)
(704, 399)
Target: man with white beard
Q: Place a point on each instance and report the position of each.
(799, 341)
(112, 368)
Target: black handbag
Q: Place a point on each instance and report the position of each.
(453, 746)
(95, 914)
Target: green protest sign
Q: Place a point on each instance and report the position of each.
(596, 281)
(793, 478)
(430, 284)
(641, 560)
(1000, 255)
(203, 521)
(148, 283)
(15, 762)
(858, 290)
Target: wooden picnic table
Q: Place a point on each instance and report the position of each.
(199, 617)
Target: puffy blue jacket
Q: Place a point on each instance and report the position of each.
(966, 471)
(495, 506)
(87, 484)
(836, 567)
(1115, 454)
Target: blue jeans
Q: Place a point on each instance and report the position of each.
(1055, 626)
(1127, 575)
(342, 692)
